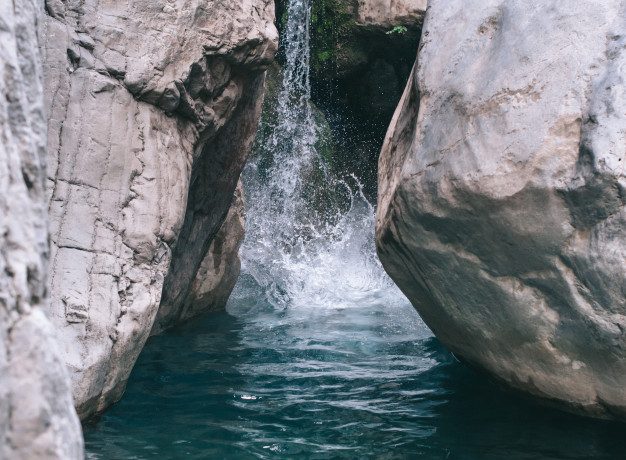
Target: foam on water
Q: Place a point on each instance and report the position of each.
(309, 234)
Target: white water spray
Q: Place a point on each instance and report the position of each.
(309, 235)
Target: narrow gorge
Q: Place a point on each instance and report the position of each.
(264, 229)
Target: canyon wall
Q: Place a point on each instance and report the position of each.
(218, 272)
(152, 107)
(502, 191)
(365, 48)
(37, 417)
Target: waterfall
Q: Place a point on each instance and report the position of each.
(309, 234)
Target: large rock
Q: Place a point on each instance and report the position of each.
(37, 417)
(388, 14)
(152, 107)
(362, 53)
(217, 275)
(501, 209)
(348, 36)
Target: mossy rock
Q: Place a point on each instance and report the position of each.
(333, 41)
(358, 73)
(325, 144)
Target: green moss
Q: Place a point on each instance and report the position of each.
(332, 29)
(324, 56)
(399, 30)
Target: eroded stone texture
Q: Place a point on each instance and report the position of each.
(360, 63)
(151, 105)
(501, 209)
(390, 13)
(217, 275)
(37, 417)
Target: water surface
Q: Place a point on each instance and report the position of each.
(261, 382)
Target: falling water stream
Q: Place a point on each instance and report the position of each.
(319, 355)
(309, 234)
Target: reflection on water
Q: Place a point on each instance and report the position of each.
(263, 382)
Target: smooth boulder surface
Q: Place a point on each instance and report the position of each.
(501, 194)
(37, 417)
(152, 108)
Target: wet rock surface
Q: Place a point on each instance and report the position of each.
(152, 107)
(362, 53)
(501, 194)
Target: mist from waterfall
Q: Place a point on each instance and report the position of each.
(309, 234)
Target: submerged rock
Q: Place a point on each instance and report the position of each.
(152, 108)
(501, 203)
(37, 417)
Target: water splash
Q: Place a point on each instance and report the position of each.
(309, 234)
(305, 381)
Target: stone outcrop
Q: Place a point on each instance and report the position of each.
(217, 275)
(387, 37)
(37, 417)
(348, 36)
(152, 107)
(501, 208)
(386, 14)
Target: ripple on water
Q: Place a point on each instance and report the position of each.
(379, 387)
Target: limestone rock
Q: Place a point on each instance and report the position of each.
(501, 208)
(348, 37)
(37, 417)
(151, 110)
(217, 275)
(390, 13)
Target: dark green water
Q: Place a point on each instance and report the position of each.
(361, 382)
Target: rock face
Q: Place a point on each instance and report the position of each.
(501, 208)
(390, 13)
(217, 275)
(360, 63)
(388, 52)
(37, 417)
(152, 107)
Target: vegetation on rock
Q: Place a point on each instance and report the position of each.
(358, 72)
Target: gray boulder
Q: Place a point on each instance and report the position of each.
(152, 107)
(37, 417)
(217, 275)
(501, 209)
(387, 14)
